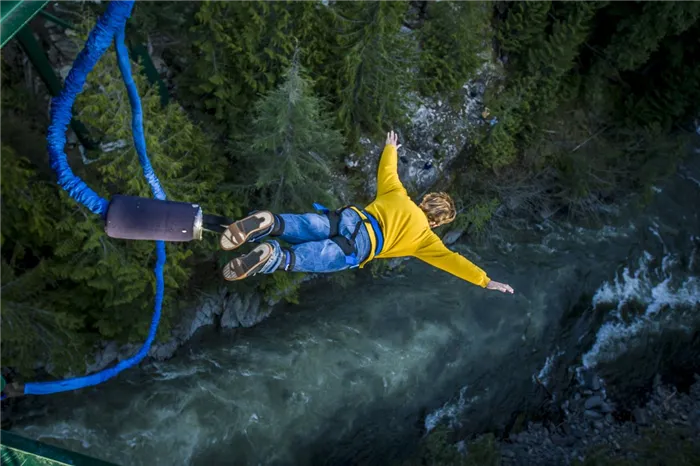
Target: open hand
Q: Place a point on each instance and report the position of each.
(392, 138)
(502, 287)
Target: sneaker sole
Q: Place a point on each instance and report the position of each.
(248, 264)
(238, 233)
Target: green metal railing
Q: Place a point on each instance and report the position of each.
(16, 450)
(15, 15)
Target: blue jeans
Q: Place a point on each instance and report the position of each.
(313, 250)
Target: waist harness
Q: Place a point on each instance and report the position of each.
(348, 245)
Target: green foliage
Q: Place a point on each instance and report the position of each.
(63, 276)
(32, 327)
(439, 449)
(641, 29)
(374, 70)
(190, 169)
(478, 215)
(475, 217)
(524, 26)
(32, 330)
(380, 268)
(292, 147)
(150, 18)
(281, 285)
(495, 147)
(452, 36)
(670, 91)
(242, 50)
(345, 278)
(593, 89)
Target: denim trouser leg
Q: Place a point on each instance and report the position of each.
(313, 251)
(305, 227)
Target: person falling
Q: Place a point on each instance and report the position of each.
(391, 226)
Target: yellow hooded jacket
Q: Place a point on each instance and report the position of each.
(405, 226)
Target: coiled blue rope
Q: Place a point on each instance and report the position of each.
(109, 27)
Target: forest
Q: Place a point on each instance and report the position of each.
(594, 103)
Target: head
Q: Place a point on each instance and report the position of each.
(439, 208)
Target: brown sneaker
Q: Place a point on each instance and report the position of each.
(241, 231)
(248, 264)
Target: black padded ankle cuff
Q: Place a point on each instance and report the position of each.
(278, 227)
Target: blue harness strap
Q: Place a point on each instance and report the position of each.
(110, 27)
(377, 232)
(321, 208)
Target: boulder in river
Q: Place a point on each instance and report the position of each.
(592, 414)
(594, 402)
(640, 416)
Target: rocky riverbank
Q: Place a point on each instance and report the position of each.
(593, 431)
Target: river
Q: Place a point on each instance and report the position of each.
(358, 374)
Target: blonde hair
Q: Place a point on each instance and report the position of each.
(439, 208)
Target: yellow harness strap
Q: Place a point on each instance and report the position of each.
(370, 233)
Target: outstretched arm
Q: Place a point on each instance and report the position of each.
(436, 254)
(387, 174)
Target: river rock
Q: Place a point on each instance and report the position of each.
(605, 408)
(103, 358)
(565, 441)
(641, 417)
(694, 419)
(452, 236)
(434, 137)
(165, 350)
(594, 402)
(590, 380)
(592, 414)
(204, 316)
(244, 311)
(566, 428)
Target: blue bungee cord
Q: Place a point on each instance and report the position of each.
(110, 27)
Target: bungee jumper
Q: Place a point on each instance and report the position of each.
(391, 226)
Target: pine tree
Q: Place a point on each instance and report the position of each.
(452, 36)
(292, 146)
(375, 67)
(639, 34)
(33, 326)
(524, 27)
(544, 43)
(243, 49)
